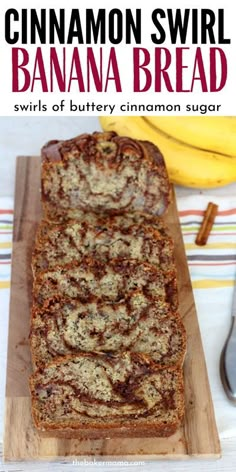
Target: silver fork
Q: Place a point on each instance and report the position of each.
(228, 358)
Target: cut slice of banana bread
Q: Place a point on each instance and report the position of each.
(52, 216)
(107, 395)
(104, 172)
(66, 243)
(111, 281)
(139, 324)
(124, 221)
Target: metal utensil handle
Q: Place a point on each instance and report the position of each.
(234, 302)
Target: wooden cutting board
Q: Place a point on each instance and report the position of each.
(198, 436)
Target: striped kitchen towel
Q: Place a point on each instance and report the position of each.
(6, 228)
(213, 265)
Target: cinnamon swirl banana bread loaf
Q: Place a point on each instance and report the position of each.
(111, 281)
(107, 341)
(107, 395)
(103, 172)
(139, 324)
(66, 243)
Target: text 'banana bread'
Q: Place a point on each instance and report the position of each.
(104, 395)
(139, 324)
(103, 172)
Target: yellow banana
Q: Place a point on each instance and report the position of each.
(186, 165)
(211, 133)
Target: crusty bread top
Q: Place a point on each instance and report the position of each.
(105, 172)
(104, 148)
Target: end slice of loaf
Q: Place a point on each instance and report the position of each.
(139, 324)
(103, 172)
(103, 395)
(112, 281)
(66, 243)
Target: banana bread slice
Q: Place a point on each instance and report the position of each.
(104, 172)
(107, 395)
(124, 221)
(140, 324)
(66, 243)
(111, 281)
(52, 216)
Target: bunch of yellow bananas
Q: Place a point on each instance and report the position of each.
(198, 151)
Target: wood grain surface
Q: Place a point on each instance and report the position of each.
(197, 438)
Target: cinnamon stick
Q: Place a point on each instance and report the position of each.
(207, 223)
